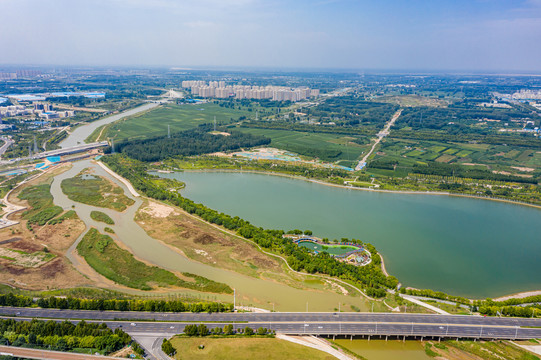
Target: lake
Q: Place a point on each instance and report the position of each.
(463, 246)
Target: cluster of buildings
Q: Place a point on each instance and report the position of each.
(46, 111)
(219, 89)
(43, 110)
(18, 74)
(527, 95)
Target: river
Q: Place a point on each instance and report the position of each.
(464, 246)
(250, 291)
(79, 135)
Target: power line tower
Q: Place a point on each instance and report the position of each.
(215, 123)
(169, 131)
(112, 146)
(29, 151)
(256, 114)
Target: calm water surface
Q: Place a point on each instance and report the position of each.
(469, 247)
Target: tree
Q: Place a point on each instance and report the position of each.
(168, 348)
(308, 232)
(248, 331)
(228, 330)
(191, 330)
(203, 330)
(262, 331)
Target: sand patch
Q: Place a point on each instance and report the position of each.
(157, 210)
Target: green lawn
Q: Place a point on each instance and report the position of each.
(243, 349)
(178, 117)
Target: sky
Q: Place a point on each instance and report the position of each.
(460, 35)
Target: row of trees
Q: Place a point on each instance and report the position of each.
(299, 258)
(203, 330)
(63, 336)
(112, 304)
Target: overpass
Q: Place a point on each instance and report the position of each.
(70, 150)
(322, 324)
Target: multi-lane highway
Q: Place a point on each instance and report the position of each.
(348, 324)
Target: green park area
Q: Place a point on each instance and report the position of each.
(244, 348)
(94, 190)
(331, 249)
(177, 117)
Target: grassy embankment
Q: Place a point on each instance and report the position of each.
(101, 216)
(243, 348)
(97, 191)
(118, 265)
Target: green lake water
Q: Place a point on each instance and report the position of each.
(464, 246)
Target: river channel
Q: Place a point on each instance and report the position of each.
(79, 135)
(250, 291)
(464, 246)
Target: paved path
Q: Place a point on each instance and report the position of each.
(379, 137)
(419, 302)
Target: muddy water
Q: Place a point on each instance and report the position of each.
(385, 350)
(79, 135)
(250, 291)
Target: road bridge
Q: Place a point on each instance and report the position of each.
(324, 324)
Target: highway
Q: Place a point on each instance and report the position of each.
(349, 324)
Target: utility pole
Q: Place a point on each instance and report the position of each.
(234, 299)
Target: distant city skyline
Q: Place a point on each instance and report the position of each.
(461, 35)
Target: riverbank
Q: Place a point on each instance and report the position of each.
(407, 192)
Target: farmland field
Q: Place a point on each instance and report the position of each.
(329, 147)
(178, 117)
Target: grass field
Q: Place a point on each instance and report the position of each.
(243, 349)
(101, 216)
(119, 265)
(329, 147)
(178, 117)
(94, 190)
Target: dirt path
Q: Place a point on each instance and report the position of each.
(47, 354)
(380, 136)
(119, 178)
(316, 343)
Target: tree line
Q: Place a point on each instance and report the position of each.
(113, 304)
(62, 336)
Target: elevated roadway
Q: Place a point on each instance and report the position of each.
(330, 324)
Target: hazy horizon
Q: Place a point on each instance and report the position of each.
(479, 36)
